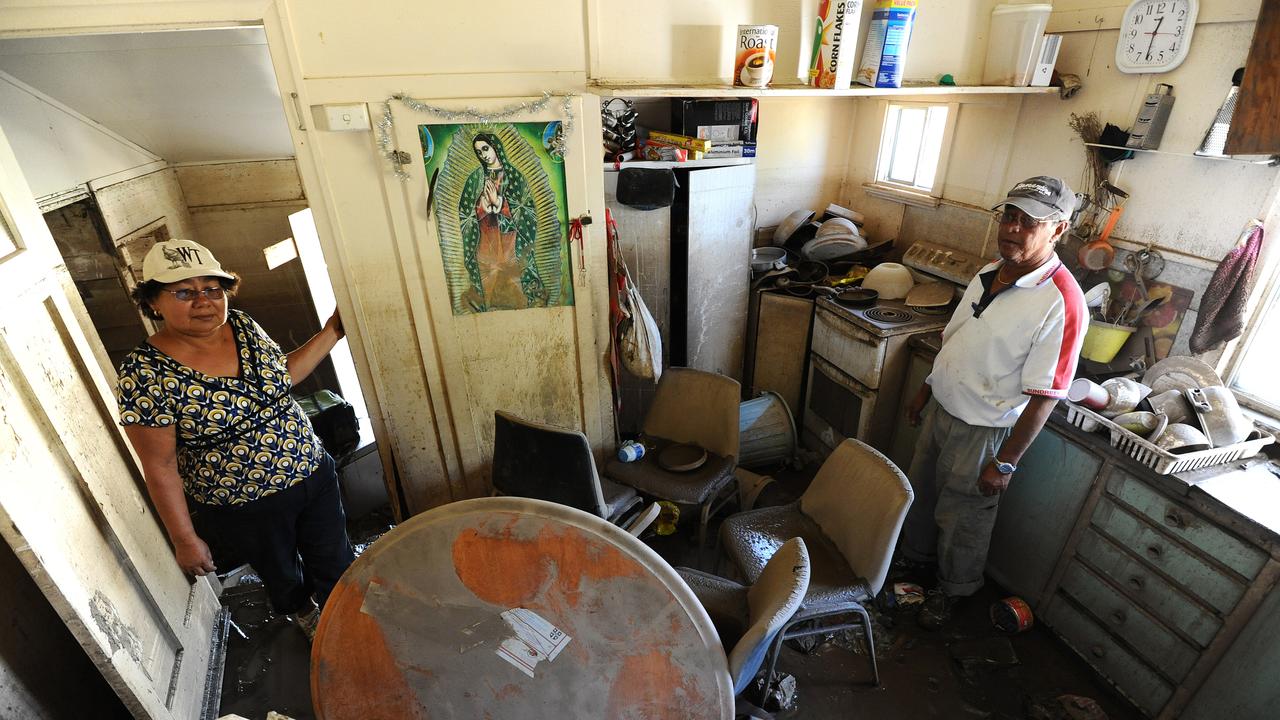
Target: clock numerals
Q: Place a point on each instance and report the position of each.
(1154, 34)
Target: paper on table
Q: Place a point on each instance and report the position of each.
(535, 640)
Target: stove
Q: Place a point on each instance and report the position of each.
(888, 317)
(857, 364)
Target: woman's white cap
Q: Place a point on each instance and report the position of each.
(176, 260)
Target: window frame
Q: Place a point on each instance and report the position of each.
(911, 194)
(1266, 301)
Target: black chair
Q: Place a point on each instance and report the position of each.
(551, 463)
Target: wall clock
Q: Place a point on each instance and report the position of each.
(1155, 35)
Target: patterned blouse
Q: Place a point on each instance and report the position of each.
(239, 438)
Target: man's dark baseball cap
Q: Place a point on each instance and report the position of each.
(1040, 197)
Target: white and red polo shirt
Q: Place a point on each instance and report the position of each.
(998, 350)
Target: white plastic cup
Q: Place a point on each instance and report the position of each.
(1088, 393)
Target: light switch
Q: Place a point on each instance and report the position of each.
(341, 117)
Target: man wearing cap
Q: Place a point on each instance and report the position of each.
(1008, 354)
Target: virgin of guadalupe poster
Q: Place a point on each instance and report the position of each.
(498, 195)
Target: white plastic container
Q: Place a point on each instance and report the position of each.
(1013, 44)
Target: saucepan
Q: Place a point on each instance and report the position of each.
(1219, 415)
(1182, 438)
(857, 297)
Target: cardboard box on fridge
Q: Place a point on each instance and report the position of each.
(731, 150)
(715, 120)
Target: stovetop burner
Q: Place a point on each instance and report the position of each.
(888, 315)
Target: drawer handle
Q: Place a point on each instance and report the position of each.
(1118, 617)
(1154, 552)
(1137, 582)
(1098, 651)
(1173, 518)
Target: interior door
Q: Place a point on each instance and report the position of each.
(72, 503)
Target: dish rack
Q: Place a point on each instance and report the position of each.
(1157, 458)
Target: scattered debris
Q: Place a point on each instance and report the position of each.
(782, 696)
(905, 594)
(983, 652)
(1064, 707)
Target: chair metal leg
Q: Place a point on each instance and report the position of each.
(775, 649)
(871, 645)
(713, 505)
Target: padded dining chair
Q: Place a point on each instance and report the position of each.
(694, 407)
(546, 462)
(849, 518)
(750, 617)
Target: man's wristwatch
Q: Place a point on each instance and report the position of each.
(1003, 467)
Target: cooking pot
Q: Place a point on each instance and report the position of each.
(1172, 404)
(857, 297)
(892, 280)
(1219, 415)
(1142, 423)
(790, 224)
(1182, 438)
(1125, 395)
(768, 258)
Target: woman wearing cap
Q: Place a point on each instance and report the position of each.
(205, 403)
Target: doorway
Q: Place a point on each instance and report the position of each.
(130, 139)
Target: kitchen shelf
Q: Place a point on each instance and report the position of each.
(622, 89)
(1273, 160)
(687, 164)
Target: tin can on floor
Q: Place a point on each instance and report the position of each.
(1012, 615)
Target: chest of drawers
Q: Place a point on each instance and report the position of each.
(1153, 586)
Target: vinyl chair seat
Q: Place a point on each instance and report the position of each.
(724, 600)
(751, 618)
(694, 487)
(849, 517)
(617, 498)
(750, 539)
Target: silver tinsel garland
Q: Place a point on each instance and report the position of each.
(400, 158)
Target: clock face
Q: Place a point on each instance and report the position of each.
(1155, 35)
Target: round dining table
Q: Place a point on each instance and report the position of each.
(505, 608)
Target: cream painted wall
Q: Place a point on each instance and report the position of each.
(57, 147)
(803, 148)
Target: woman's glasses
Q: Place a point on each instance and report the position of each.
(189, 295)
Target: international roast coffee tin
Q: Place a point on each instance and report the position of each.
(754, 57)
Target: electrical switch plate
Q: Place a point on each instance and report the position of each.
(341, 117)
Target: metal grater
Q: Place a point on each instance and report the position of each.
(1215, 141)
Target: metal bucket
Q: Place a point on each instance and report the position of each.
(766, 431)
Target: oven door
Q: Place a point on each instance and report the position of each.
(837, 406)
(858, 353)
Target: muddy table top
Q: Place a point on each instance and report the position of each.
(511, 608)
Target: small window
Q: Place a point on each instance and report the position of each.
(1255, 377)
(913, 147)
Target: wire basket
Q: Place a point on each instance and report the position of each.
(1155, 457)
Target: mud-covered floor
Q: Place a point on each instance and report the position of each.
(967, 670)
